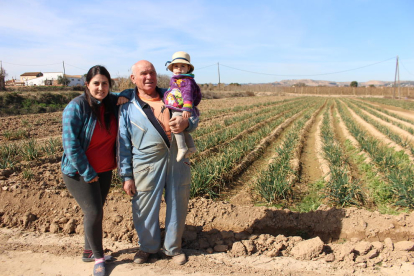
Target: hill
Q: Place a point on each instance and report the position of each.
(310, 82)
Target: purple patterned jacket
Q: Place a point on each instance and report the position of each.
(184, 94)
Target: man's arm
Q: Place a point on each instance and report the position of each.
(124, 146)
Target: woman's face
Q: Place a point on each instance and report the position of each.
(99, 87)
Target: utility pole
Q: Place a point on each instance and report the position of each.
(64, 83)
(218, 68)
(397, 75)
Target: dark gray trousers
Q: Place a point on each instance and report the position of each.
(91, 198)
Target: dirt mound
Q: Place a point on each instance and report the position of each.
(341, 237)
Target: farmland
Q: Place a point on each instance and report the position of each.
(336, 168)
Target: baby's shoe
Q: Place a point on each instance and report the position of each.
(190, 152)
(181, 153)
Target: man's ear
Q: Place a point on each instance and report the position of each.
(132, 77)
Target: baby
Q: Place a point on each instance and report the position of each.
(182, 99)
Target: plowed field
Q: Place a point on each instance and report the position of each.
(280, 186)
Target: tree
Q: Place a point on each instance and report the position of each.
(299, 84)
(3, 75)
(354, 84)
(63, 80)
(163, 81)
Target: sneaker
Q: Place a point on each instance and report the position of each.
(180, 259)
(99, 269)
(88, 256)
(141, 257)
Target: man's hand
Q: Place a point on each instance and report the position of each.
(129, 187)
(178, 124)
(186, 114)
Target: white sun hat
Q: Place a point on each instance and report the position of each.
(180, 57)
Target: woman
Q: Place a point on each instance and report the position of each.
(89, 134)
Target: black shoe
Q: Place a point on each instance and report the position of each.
(141, 257)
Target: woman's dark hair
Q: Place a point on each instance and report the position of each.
(96, 111)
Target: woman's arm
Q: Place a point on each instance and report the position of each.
(72, 125)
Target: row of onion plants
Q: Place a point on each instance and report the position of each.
(396, 168)
(341, 188)
(405, 143)
(207, 173)
(377, 112)
(243, 113)
(224, 111)
(11, 154)
(393, 102)
(390, 113)
(276, 181)
(242, 127)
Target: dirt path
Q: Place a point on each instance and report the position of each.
(311, 171)
(28, 253)
(323, 164)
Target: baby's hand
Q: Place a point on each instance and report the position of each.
(186, 114)
(122, 100)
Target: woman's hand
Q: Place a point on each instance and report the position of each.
(122, 100)
(94, 180)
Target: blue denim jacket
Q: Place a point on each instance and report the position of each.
(78, 125)
(142, 153)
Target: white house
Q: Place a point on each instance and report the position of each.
(75, 80)
(52, 77)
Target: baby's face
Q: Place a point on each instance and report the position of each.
(180, 68)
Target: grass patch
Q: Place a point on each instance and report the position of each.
(313, 199)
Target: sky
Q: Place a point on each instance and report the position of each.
(232, 41)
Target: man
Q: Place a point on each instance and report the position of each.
(147, 164)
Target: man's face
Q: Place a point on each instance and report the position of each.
(144, 77)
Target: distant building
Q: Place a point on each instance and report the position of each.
(30, 75)
(51, 78)
(76, 80)
(13, 82)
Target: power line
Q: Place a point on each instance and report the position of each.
(309, 75)
(76, 67)
(406, 68)
(30, 65)
(207, 66)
